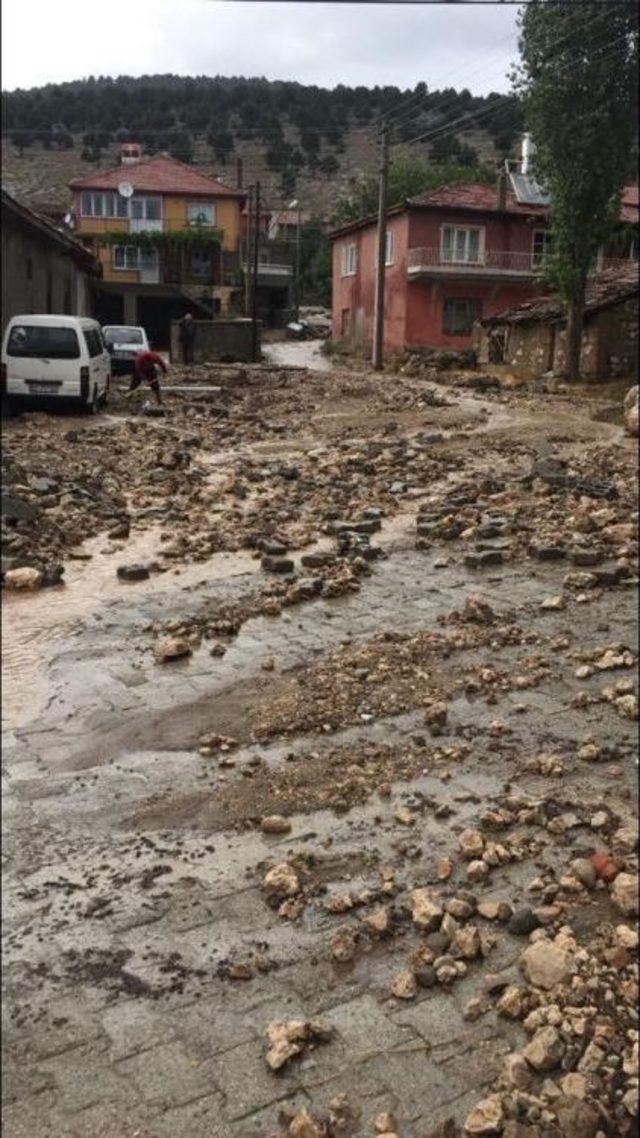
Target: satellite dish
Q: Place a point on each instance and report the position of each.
(125, 189)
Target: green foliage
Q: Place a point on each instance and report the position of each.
(191, 237)
(408, 177)
(578, 79)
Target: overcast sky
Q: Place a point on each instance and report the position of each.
(48, 41)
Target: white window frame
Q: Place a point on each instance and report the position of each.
(390, 247)
(349, 259)
(466, 230)
(195, 208)
(103, 203)
(538, 259)
(143, 201)
(134, 264)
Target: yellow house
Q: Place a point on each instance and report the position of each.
(180, 240)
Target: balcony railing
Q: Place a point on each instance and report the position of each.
(492, 261)
(145, 225)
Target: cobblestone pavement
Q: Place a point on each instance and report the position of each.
(129, 893)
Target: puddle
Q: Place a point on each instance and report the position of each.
(297, 353)
(34, 623)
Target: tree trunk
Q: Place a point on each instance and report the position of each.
(575, 321)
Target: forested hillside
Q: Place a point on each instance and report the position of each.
(307, 141)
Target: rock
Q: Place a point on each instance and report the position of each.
(582, 868)
(275, 824)
(466, 943)
(625, 893)
(132, 572)
(523, 922)
(287, 1038)
(425, 976)
(631, 412)
(576, 1119)
(483, 560)
(471, 843)
(477, 870)
(281, 881)
(23, 578)
(553, 604)
(384, 1122)
(574, 1085)
(436, 715)
(272, 564)
(545, 964)
(16, 509)
(512, 1001)
(343, 945)
(490, 910)
(626, 937)
(517, 1071)
(171, 648)
(545, 1051)
(486, 1117)
(303, 1126)
(475, 1007)
(378, 922)
(477, 611)
(425, 912)
(404, 985)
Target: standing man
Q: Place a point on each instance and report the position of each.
(187, 338)
(146, 368)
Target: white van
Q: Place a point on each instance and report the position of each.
(57, 359)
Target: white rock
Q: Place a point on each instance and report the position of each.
(25, 578)
(486, 1117)
(625, 893)
(545, 964)
(425, 912)
(545, 1050)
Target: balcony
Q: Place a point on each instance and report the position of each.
(494, 264)
(146, 225)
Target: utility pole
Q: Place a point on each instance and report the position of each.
(254, 291)
(378, 327)
(298, 267)
(247, 255)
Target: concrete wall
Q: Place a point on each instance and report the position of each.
(38, 277)
(216, 340)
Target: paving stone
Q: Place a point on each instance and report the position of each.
(166, 1073)
(134, 1026)
(247, 1081)
(201, 1119)
(363, 1025)
(36, 1117)
(88, 1079)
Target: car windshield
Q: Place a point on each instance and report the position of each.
(44, 342)
(123, 336)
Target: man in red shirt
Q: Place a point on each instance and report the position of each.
(146, 368)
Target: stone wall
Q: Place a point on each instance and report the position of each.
(609, 345)
(216, 340)
(38, 277)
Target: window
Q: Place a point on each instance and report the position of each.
(37, 340)
(98, 204)
(462, 245)
(459, 316)
(134, 258)
(390, 246)
(121, 334)
(542, 245)
(146, 209)
(94, 343)
(201, 213)
(201, 264)
(349, 260)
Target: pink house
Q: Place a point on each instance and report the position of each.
(454, 256)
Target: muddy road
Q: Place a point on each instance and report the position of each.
(319, 815)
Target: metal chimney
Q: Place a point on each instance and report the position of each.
(527, 152)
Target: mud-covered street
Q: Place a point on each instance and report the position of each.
(320, 758)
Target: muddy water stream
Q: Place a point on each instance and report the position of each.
(297, 353)
(35, 625)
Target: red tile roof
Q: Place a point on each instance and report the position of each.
(158, 174)
(471, 195)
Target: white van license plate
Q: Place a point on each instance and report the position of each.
(42, 387)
